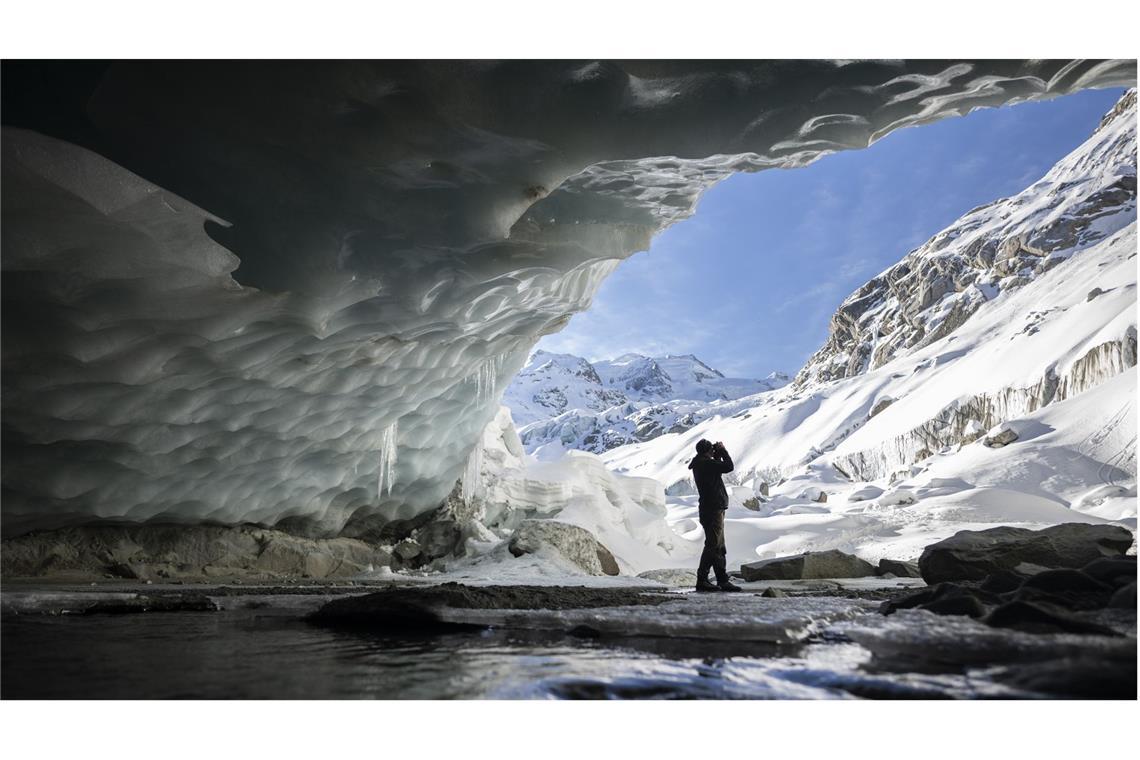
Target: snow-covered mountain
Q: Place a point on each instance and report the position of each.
(561, 401)
(1019, 317)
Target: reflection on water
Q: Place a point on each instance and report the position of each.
(266, 654)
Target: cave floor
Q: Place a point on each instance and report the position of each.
(395, 639)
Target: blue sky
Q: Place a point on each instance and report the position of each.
(749, 282)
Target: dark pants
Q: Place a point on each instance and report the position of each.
(714, 553)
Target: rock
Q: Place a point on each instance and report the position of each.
(1115, 571)
(1055, 581)
(1125, 598)
(1038, 617)
(944, 599)
(822, 498)
(407, 550)
(881, 404)
(753, 504)
(773, 593)
(1003, 438)
(1002, 581)
(675, 577)
(828, 564)
(1093, 294)
(571, 541)
(763, 489)
(607, 560)
(973, 555)
(152, 551)
(439, 539)
(898, 568)
(964, 604)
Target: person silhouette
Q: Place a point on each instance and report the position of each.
(711, 462)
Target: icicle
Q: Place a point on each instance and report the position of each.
(387, 475)
(472, 473)
(486, 378)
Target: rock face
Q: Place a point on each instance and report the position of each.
(574, 543)
(828, 564)
(147, 552)
(974, 555)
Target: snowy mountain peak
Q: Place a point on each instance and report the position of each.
(565, 400)
(1086, 197)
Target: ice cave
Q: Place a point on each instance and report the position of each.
(291, 293)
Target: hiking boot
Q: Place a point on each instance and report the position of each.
(704, 585)
(728, 586)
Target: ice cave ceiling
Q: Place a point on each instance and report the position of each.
(292, 292)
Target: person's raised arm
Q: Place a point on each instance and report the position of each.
(723, 459)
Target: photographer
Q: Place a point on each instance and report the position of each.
(712, 461)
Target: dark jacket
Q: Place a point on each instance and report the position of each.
(707, 469)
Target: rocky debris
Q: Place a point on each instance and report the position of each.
(571, 541)
(827, 564)
(676, 577)
(1004, 437)
(173, 551)
(974, 555)
(898, 568)
(1063, 600)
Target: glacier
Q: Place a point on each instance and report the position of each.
(292, 293)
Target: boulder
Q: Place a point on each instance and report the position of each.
(1003, 438)
(407, 550)
(773, 593)
(898, 568)
(828, 564)
(974, 555)
(753, 504)
(571, 541)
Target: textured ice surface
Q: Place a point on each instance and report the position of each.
(395, 237)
